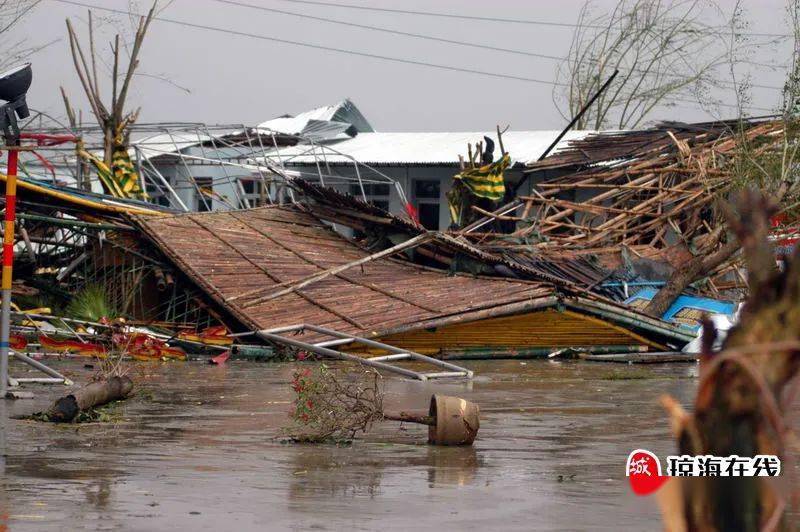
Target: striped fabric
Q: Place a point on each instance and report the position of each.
(487, 181)
(125, 174)
(103, 172)
(121, 180)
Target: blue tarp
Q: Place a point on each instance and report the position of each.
(686, 311)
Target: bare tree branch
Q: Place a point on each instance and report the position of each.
(113, 119)
(662, 48)
(144, 23)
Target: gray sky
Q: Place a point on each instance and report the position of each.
(237, 79)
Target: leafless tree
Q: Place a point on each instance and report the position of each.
(333, 405)
(791, 90)
(664, 52)
(15, 50)
(764, 163)
(112, 116)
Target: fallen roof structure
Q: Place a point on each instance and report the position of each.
(49, 197)
(281, 266)
(649, 196)
(453, 252)
(616, 148)
(341, 118)
(655, 187)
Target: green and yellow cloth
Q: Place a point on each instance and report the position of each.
(121, 180)
(125, 174)
(487, 181)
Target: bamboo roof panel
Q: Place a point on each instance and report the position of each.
(239, 257)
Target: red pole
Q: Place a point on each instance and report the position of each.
(8, 263)
(11, 216)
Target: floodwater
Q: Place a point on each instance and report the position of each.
(199, 448)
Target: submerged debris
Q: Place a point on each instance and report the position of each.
(81, 405)
(335, 408)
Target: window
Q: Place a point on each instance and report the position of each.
(426, 199)
(426, 189)
(381, 204)
(377, 194)
(203, 198)
(161, 199)
(158, 195)
(248, 185)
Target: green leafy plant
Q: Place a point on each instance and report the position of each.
(91, 304)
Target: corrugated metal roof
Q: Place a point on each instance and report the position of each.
(322, 122)
(379, 148)
(340, 120)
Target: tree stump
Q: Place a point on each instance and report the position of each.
(744, 393)
(67, 408)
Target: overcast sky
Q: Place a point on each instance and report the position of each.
(241, 79)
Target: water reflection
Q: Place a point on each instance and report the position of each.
(331, 471)
(98, 493)
(451, 466)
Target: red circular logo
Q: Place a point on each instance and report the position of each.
(644, 472)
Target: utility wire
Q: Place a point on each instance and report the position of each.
(387, 30)
(437, 39)
(316, 46)
(355, 52)
(484, 19)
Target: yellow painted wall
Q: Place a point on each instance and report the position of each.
(546, 328)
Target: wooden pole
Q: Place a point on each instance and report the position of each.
(409, 417)
(572, 122)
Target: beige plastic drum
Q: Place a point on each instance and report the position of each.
(457, 421)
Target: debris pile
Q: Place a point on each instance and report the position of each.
(585, 261)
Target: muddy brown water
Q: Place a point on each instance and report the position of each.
(199, 449)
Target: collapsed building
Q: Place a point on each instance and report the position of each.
(284, 265)
(278, 266)
(559, 267)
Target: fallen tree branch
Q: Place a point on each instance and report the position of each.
(696, 268)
